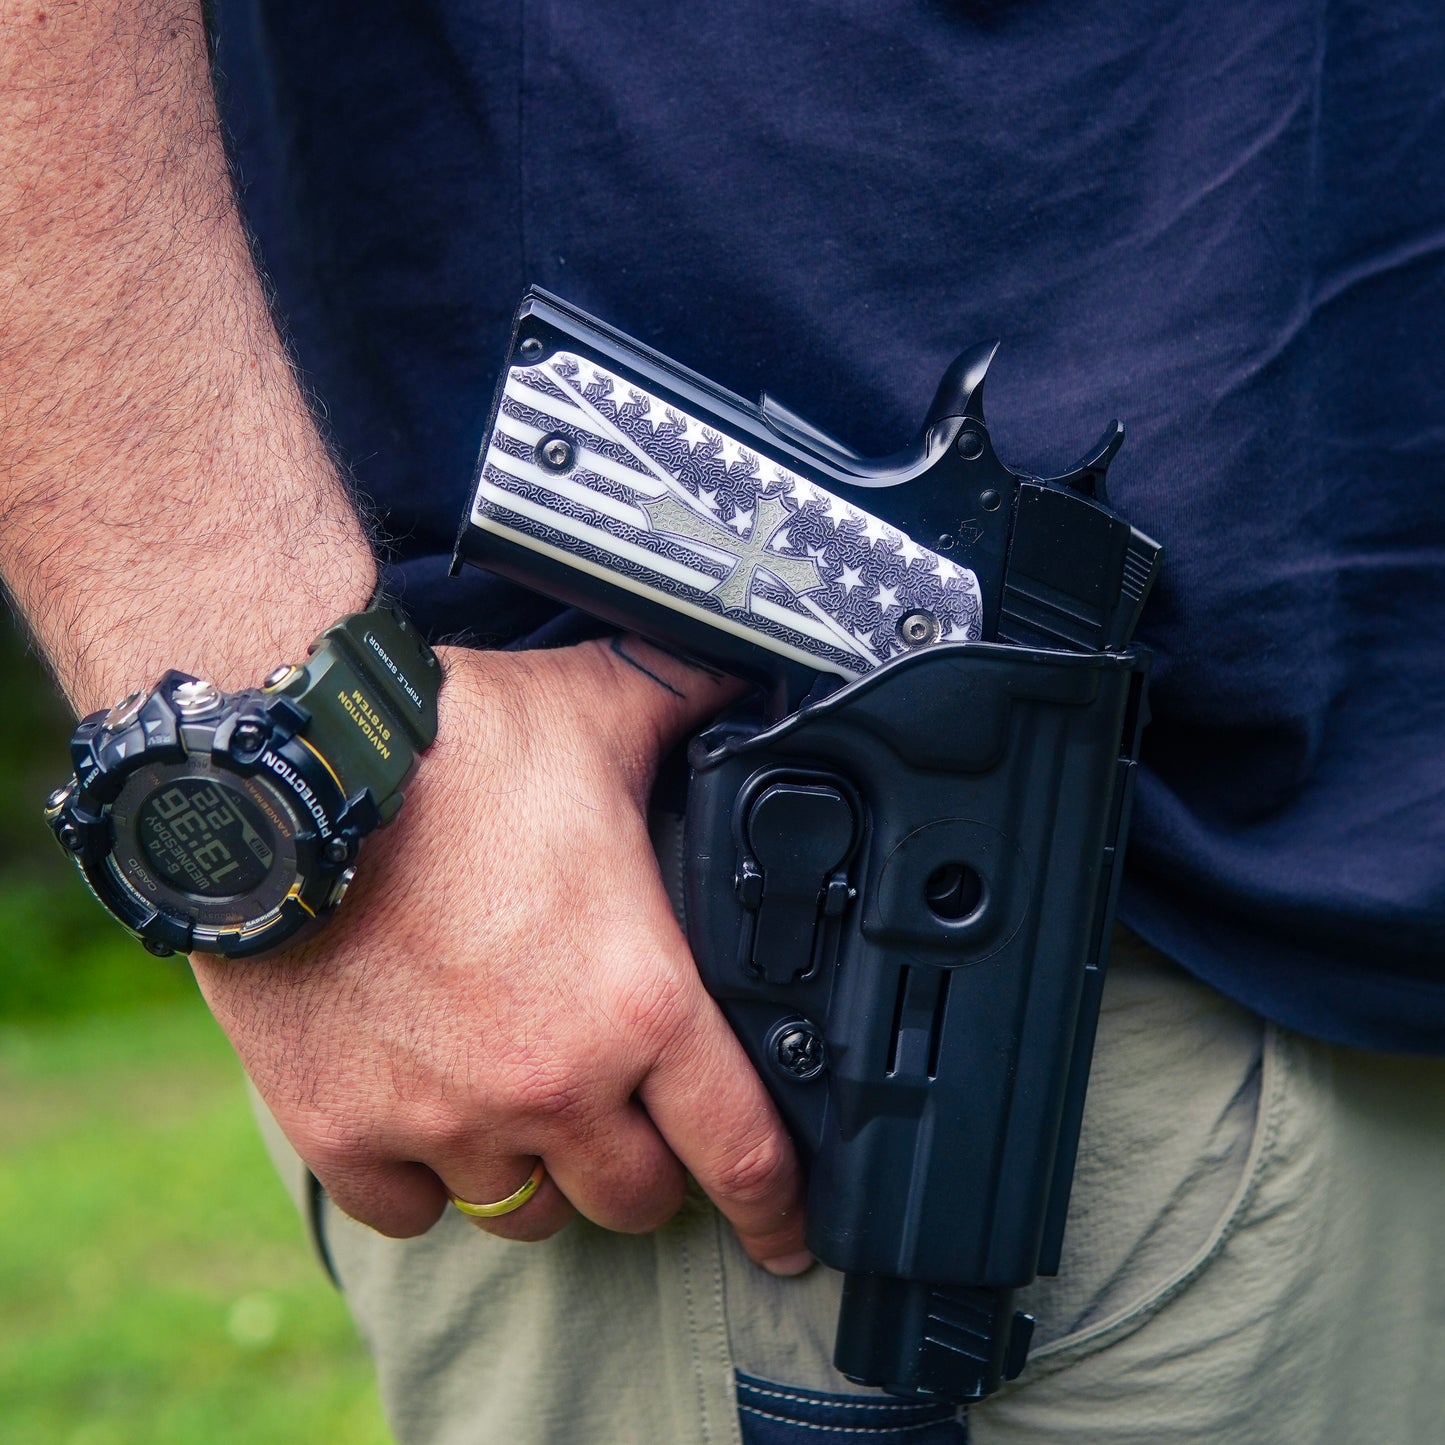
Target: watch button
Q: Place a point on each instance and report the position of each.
(342, 884)
(193, 699)
(249, 735)
(125, 712)
(279, 677)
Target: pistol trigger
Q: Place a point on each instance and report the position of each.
(1089, 475)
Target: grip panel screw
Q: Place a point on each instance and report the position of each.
(918, 629)
(555, 454)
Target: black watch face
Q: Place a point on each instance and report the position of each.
(206, 843)
(204, 838)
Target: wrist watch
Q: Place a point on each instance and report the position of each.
(229, 822)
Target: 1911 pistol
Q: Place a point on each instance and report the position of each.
(901, 879)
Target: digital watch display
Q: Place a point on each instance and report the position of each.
(229, 822)
(197, 835)
(208, 842)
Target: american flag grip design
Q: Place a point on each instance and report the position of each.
(620, 482)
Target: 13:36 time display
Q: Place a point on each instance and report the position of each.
(198, 836)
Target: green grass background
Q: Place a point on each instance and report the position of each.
(155, 1283)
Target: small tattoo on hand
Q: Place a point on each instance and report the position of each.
(619, 649)
(687, 661)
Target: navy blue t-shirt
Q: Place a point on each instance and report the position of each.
(1223, 223)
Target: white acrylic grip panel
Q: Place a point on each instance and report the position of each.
(665, 505)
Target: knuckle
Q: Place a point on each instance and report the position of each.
(546, 1090)
(757, 1172)
(653, 1210)
(656, 1007)
(525, 1228)
(634, 1193)
(405, 1220)
(333, 1145)
(447, 1135)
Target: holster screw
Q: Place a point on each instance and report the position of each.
(799, 1050)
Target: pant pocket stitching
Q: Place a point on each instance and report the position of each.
(1064, 1351)
(694, 1350)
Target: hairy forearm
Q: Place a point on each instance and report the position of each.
(165, 498)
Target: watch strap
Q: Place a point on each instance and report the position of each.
(369, 691)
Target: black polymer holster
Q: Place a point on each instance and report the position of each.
(900, 888)
(901, 897)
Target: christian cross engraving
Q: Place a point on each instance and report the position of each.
(751, 555)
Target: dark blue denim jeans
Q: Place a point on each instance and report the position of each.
(781, 1415)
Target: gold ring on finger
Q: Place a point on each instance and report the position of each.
(515, 1200)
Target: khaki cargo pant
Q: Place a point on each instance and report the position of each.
(1255, 1253)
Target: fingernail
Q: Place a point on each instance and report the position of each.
(789, 1264)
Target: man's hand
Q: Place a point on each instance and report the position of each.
(508, 981)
